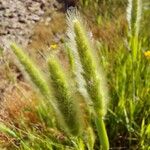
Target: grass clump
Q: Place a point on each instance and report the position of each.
(62, 99)
(79, 93)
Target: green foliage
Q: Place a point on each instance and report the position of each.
(7, 130)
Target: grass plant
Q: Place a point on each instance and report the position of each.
(75, 100)
(91, 76)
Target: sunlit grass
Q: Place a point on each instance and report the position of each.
(126, 63)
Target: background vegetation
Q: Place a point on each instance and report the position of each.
(59, 111)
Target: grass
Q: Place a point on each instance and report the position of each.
(70, 110)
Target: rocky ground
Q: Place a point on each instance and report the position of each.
(33, 24)
(18, 18)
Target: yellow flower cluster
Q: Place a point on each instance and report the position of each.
(147, 54)
(54, 46)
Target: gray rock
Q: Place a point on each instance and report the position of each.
(18, 18)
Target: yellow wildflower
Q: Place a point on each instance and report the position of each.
(54, 46)
(147, 54)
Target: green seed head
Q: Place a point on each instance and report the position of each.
(65, 102)
(35, 74)
(91, 72)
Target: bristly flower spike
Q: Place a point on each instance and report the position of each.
(34, 73)
(67, 105)
(91, 74)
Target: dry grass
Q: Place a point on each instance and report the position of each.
(110, 31)
(18, 102)
(49, 31)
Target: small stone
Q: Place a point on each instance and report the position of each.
(34, 18)
(47, 21)
(40, 12)
(22, 20)
(2, 7)
(8, 14)
(3, 32)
